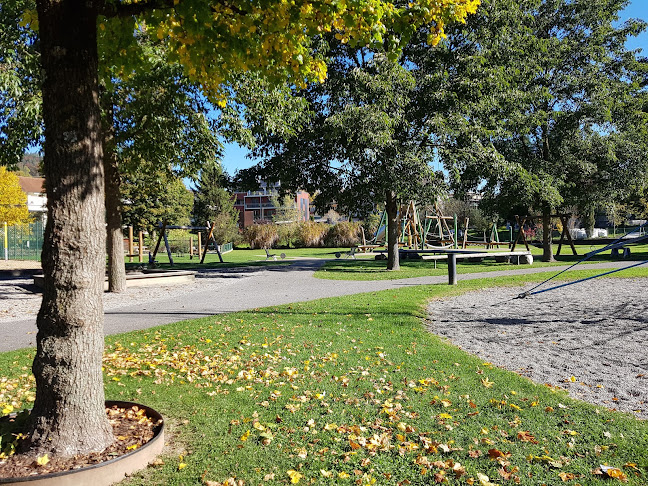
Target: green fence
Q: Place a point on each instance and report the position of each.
(24, 241)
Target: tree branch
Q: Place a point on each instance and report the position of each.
(131, 9)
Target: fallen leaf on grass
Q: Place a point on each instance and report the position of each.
(526, 436)
(484, 480)
(611, 472)
(486, 383)
(294, 476)
(506, 474)
(568, 476)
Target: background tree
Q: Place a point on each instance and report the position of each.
(212, 40)
(213, 203)
(286, 210)
(563, 74)
(13, 201)
(20, 94)
(155, 121)
(152, 115)
(152, 198)
(358, 145)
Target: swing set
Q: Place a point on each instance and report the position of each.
(202, 252)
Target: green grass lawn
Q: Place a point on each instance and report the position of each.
(370, 269)
(350, 390)
(238, 258)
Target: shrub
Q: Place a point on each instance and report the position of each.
(178, 240)
(261, 235)
(288, 233)
(310, 234)
(344, 233)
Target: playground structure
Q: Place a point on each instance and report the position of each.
(564, 218)
(430, 230)
(200, 250)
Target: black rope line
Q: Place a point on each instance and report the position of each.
(529, 292)
(618, 243)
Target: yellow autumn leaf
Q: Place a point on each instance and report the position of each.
(294, 476)
(484, 480)
(330, 427)
(181, 466)
(444, 416)
(343, 475)
(614, 472)
(572, 379)
(326, 474)
(42, 460)
(245, 436)
(486, 383)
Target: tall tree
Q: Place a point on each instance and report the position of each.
(212, 39)
(359, 145)
(155, 121)
(13, 201)
(562, 72)
(214, 204)
(151, 198)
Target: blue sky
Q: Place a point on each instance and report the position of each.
(235, 156)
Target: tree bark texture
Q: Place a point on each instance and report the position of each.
(547, 250)
(69, 415)
(393, 231)
(115, 236)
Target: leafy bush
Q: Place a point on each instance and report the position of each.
(344, 233)
(261, 235)
(179, 241)
(226, 229)
(310, 234)
(288, 233)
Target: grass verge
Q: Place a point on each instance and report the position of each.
(350, 390)
(368, 269)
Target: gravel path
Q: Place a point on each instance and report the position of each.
(595, 332)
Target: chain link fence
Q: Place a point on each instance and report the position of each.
(22, 241)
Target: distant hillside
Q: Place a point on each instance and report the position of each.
(30, 165)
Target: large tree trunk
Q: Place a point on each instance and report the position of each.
(393, 231)
(69, 415)
(547, 251)
(115, 237)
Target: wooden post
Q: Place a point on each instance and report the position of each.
(209, 237)
(565, 235)
(191, 248)
(465, 235)
(521, 234)
(168, 248)
(141, 246)
(157, 245)
(131, 247)
(200, 246)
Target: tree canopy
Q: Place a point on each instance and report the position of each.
(13, 201)
(540, 94)
(214, 41)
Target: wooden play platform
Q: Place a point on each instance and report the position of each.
(145, 278)
(442, 254)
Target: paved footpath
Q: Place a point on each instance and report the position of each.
(230, 290)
